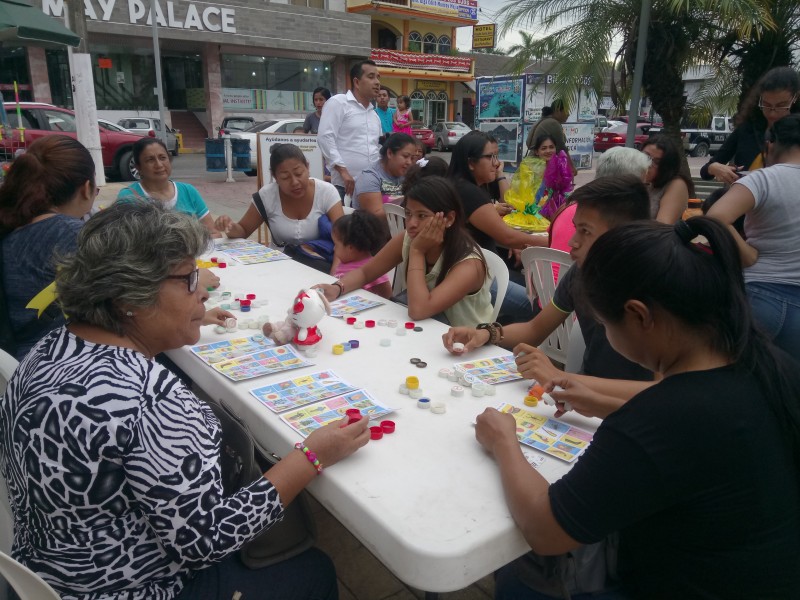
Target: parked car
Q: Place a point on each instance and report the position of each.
(447, 134)
(425, 135)
(41, 119)
(251, 133)
(152, 128)
(618, 135)
(611, 123)
(234, 124)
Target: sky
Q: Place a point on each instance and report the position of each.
(487, 10)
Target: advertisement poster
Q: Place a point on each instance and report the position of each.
(580, 143)
(535, 96)
(507, 138)
(306, 142)
(464, 9)
(500, 99)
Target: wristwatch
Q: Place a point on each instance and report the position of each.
(495, 331)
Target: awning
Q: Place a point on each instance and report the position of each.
(20, 21)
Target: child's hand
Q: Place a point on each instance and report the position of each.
(431, 234)
(534, 364)
(216, 316)
(469, 338)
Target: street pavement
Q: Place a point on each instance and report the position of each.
(232, 199)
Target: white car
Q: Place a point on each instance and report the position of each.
(613, 123)
(448, 133)
(146, 126)
(251, 133)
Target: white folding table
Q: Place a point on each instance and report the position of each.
(426, 500)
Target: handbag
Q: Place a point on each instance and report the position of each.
(241, 463)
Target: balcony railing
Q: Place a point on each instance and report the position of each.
(425, 62)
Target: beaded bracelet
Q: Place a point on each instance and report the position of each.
(312, 458)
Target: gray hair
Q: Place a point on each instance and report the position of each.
(622, 161)
(124, 254)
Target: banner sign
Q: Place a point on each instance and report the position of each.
(274, 100)
(463, 9)
(416, 60)
(500, 99)
(580, 143)
(436, 86)
(484, 36)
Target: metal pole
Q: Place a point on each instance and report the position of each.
(638, 72)
(157, 57)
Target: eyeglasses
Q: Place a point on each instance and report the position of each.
(767, 108)
(191, 279)
(494, 157)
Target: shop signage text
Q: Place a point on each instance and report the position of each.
(179, 15)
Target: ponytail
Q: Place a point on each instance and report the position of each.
(702, 286)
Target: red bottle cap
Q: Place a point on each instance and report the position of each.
(409, 325)
(375, 433)
(351, 320)
(251, 296)
(213, 259)
(387, 426)
(369, 323)
(352, 411)
(222, 265)
(244, 302)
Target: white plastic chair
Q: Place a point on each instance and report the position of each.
(8, 365)
(396, 217)
(499, 272)
(27, 584)
(538, 266)
(575, 349)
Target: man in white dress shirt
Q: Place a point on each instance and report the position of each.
(349, 128)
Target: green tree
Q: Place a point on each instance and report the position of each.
(681, 33)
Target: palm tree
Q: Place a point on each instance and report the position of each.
(680, 34)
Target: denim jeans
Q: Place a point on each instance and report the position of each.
(307, 576)
(516, 307)
(776, 310)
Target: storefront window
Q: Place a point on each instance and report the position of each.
(14, 67)
(282, 84)
(124, 81)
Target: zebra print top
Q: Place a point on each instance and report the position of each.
(113, 476)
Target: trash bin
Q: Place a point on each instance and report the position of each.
(241, 154)
(215, 155)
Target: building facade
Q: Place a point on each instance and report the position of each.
(413, 42)
(242, 57)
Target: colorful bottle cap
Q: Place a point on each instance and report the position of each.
(417, 328)
(438, 408)
(213, 259)
(219, 329)
(412, 382)
(424, 403)
(353, 419)
(375, 433)
(354, 344)
(531, 401)
(245, 308)
(222, 265)
(536, 391)
(251, 296)
(369, 323)
(346, 346)
(387, 426)
(409, 325)
(351, 320)
(338, 349)
(226, 295)
(245, 302)
(351, 412)
(225, 306)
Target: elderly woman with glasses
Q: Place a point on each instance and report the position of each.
(474, 166)
(112, 463)
(774, 96)
(47, 192)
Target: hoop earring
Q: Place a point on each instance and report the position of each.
(129, 314)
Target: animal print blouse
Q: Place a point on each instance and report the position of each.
(112, 469)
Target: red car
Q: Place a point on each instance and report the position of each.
(617, 136)
(41, 119)
(425, 135)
